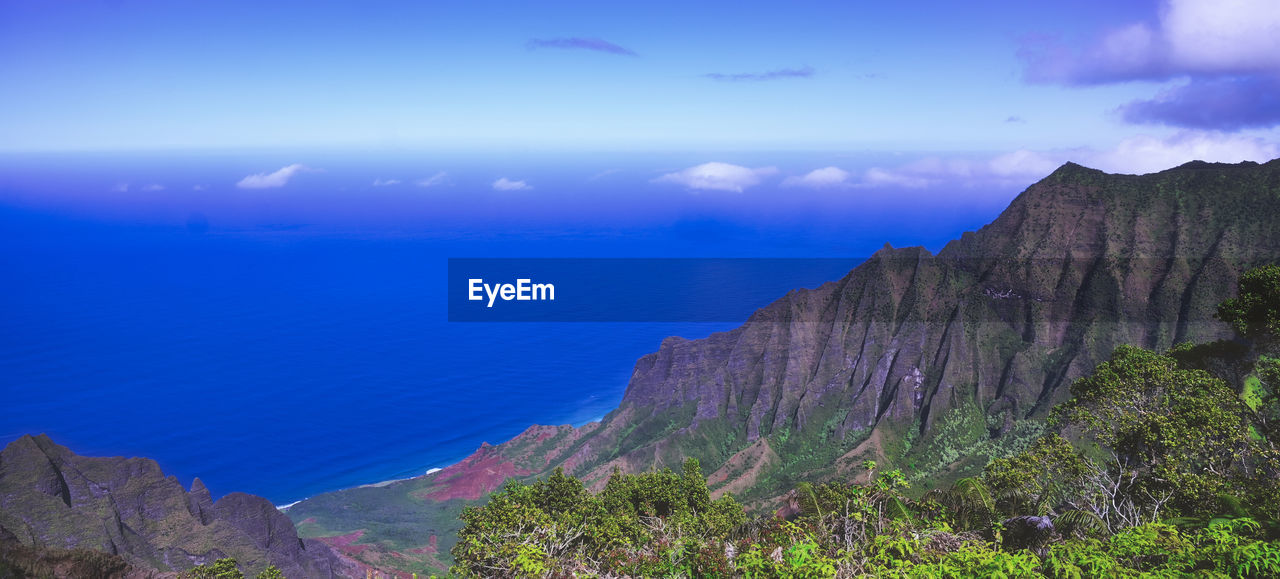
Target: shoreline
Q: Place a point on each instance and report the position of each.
(430, 471)
(285, 508)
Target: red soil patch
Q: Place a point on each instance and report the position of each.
(429, 549)
(851, 462)
(538, 432)
(743, 469)
(477, 475)
(345, 543)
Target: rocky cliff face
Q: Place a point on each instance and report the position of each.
(930, 363)
(52, 498)
(988, 332)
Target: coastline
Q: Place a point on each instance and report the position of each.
(379, 484)
(430, 471)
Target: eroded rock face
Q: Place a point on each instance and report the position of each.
(51, 497)
(997, 324)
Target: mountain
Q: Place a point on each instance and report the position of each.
(929, 363)
(53, 501)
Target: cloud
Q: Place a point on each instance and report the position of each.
(505, 184)
(1020, 167)
(153, 187)
(716, 176)
(1130, 53)
(1135, 155)
(120, 188)
(1227, 50)
(385, 182)
(1015, 119)
(1021, 164)
(199, 187)
(804, 72)
(271, 180)
(1225, 104)
(1146, 154)
(440, 178)
(824, 178)
(1192, 37)
(1229, 36)
(593, 44)
(905, 177)
(1017, 167)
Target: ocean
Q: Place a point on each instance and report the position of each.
(295, 340)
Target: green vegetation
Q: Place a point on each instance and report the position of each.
(395, 518)
(556, 526)
(227, 569)
(1255, 313)
(1159, 465)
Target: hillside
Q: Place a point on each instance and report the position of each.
(930, 363)
(52, 500)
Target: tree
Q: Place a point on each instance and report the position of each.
(1255, 313)
(225, 568)
(271, 572)
(1045, 478)
(1175, 437)
(557, 527)
(695, 486)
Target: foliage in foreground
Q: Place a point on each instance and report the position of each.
(874, 530)
(1158, 466)
(227, 569)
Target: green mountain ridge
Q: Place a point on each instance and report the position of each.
(930, 363)
(934, 364)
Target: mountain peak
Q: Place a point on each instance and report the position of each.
(1073, 172)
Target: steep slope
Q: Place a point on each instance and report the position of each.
(53, 498)
(931, 363)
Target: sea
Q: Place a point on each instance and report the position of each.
(293, 339)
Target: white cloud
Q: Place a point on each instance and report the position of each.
(824, 178)
(153, 187)
(877, 177)
(271, 180)
(440, 178)
(929, 171)
(1146, 154)
(1135, 155)
(718, 177)
(1208, 38)
(120, 188)
(1228, 36)
(505, 184)
(1022, 163)
(385, 182)
(198, 187)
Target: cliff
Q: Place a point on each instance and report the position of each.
(970, 342)
(930, 363)
(52, 499)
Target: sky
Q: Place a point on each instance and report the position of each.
(1008, 89)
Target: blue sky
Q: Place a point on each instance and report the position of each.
(1022, 86)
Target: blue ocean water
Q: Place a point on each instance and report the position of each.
(286, 343)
